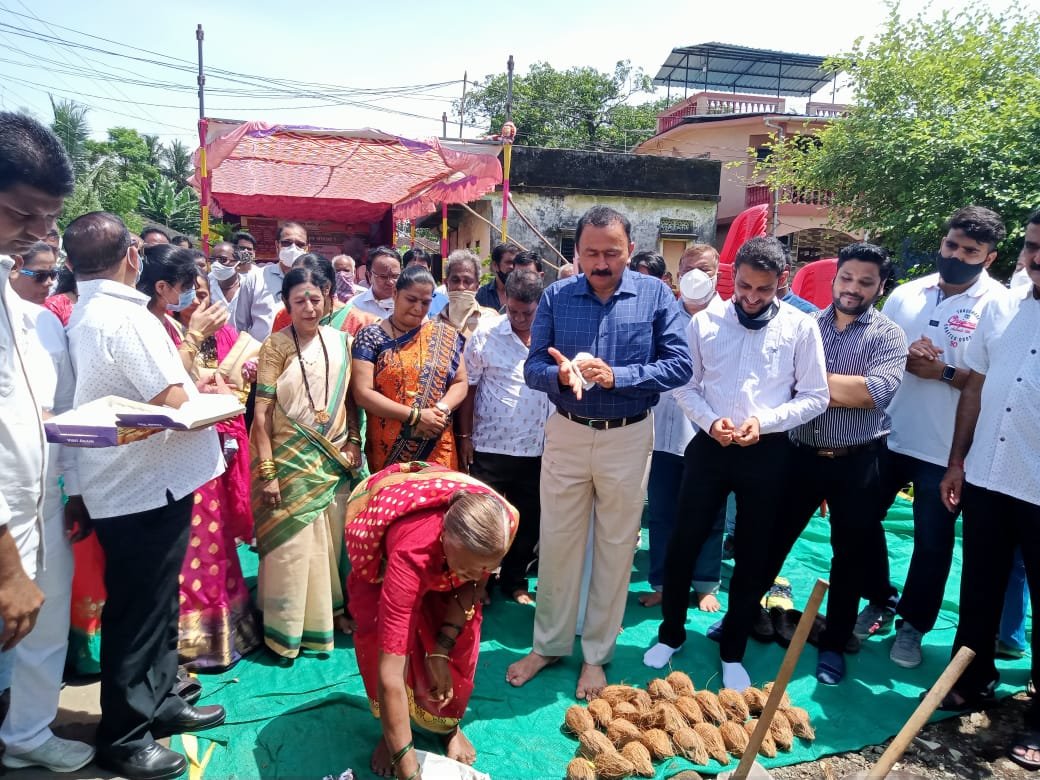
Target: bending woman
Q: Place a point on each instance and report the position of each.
(410, 378)
(421, 541)
(304, 445)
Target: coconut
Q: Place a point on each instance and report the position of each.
(733, 705)
(578, 720)
(642, 700)
(712, 742)
(734, 737)
(640, 758)
(780, 731)
(691, 746)
(624, 709)
(658, 743)
(800, 725)
(592, 743)
(601, 712)
(660, 690)
(621, 732)
(615, 693)
(687, 774)
(669, 718)
(768, 746)
(709, 704)
(581, 769)
(610, 766)
(681, 683)
(755, 700)
(785, 700)
(689, 709)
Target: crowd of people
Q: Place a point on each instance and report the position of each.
(410, 451)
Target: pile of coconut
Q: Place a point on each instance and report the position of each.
(625, 730)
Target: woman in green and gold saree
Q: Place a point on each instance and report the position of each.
(304, 444)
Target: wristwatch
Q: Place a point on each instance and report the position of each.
(948, 374)
(443, 407)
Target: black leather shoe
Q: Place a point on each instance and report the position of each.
(190, 719)
(152, 762)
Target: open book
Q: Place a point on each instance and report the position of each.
(112, 420)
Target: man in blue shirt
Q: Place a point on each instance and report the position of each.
(604, 345)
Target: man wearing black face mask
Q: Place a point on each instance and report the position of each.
(492, 294)
(758, 371)
(938, 314)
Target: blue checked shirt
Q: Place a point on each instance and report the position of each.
(873, 347)
(638, 333)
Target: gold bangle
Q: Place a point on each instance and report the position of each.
(439, 655)
(354, 438)
(199, 336)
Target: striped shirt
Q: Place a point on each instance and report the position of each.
(638, 332)
(871, 346)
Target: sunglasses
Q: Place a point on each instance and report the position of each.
(40, 276)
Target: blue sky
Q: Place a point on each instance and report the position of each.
(141, 75)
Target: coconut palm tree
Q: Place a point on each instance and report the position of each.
(70, 125)
(177, 162)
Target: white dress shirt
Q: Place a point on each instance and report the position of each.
(923, 410)
(367, 303)
(252, 308)
(23, 454)
(508, 416)
(777, 373)
(119, 348)
(672, 428)
(1006, 348)
(273, 274)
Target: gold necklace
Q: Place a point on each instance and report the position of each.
(321, 416)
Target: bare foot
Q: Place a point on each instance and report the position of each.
(651, 599)
(457, 747)
(707, 602)
(381, 760)
(346, 624)
(521, 596)
(591, 681)
(527, 667)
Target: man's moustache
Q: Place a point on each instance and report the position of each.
(601, 272)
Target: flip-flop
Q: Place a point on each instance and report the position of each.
(955, 701)
(830, 667)
(1030, 740)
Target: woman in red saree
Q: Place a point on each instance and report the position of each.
(421, 540)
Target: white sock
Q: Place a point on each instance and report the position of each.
(658, 656)
(735, 676)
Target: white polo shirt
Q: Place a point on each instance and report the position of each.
(1006, 348)
(252, 308)
(367, 303)
(508, 416)
(923, 410)
(119, 348)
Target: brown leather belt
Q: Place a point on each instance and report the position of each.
(603, 424)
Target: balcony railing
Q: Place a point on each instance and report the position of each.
(827, 110)
(716, 103)
(758, 194)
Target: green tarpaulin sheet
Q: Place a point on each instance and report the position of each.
(312, 719)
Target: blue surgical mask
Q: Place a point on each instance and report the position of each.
(184, 300)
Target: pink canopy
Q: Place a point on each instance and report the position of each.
(296, 172)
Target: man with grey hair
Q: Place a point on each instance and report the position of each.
(462, 280)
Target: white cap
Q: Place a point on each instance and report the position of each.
(695, 285)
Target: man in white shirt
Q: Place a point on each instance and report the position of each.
(501, 424)
(235, 282)
(939, 314)
(993, 474)
(758, 372)
(384, 269)
(35, 178)
(291, 243)
(139, 498)
(673, 432)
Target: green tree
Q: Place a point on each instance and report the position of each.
(162, 202)
(70, 125)
(946, 113)
(578, 108)
(176, 162)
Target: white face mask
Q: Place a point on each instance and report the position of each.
(222, 272)
(696, 287)
(287, 255)
(1020, 278)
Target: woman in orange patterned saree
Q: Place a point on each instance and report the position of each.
(409, 376)
(421, 540)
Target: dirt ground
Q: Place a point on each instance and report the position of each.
(970, 746)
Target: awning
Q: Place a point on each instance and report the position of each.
(299, 172)
(722, 67)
